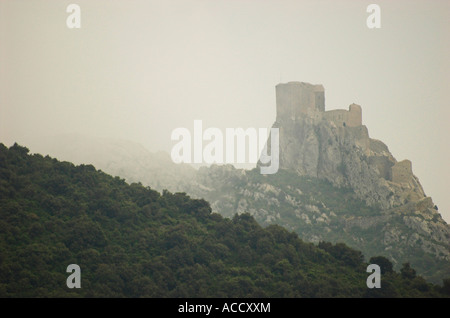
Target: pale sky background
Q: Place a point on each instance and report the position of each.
(138, 69)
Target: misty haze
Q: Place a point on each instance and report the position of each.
(292, 123)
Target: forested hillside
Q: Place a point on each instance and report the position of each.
(312, 207)
(131, 241)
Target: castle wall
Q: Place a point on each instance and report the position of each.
(402, 172)
(338, 116)
(319, 94)
(342, 117)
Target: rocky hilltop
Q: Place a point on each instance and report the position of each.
(335, 145)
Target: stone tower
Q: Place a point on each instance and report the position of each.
(295, 99)
(354, 115)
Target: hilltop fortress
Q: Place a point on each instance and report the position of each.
(335, 145)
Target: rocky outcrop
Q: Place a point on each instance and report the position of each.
(334, 145)
(318, 211)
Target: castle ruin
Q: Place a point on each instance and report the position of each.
(299, 100)
(295, 99)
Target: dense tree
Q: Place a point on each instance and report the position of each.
(385, 264)
(131, 241)
(407, 271)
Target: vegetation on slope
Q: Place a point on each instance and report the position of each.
(130, 241)
(318, 211)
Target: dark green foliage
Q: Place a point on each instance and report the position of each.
(130, 241)
(407, 272)
(341, 252)
(385, 264)
(446, 287)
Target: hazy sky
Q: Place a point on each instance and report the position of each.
(138, 69)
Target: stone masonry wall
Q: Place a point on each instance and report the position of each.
(295, 99)
(342, 117)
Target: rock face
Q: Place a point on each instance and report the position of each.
(318, 211)
(335, 145)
